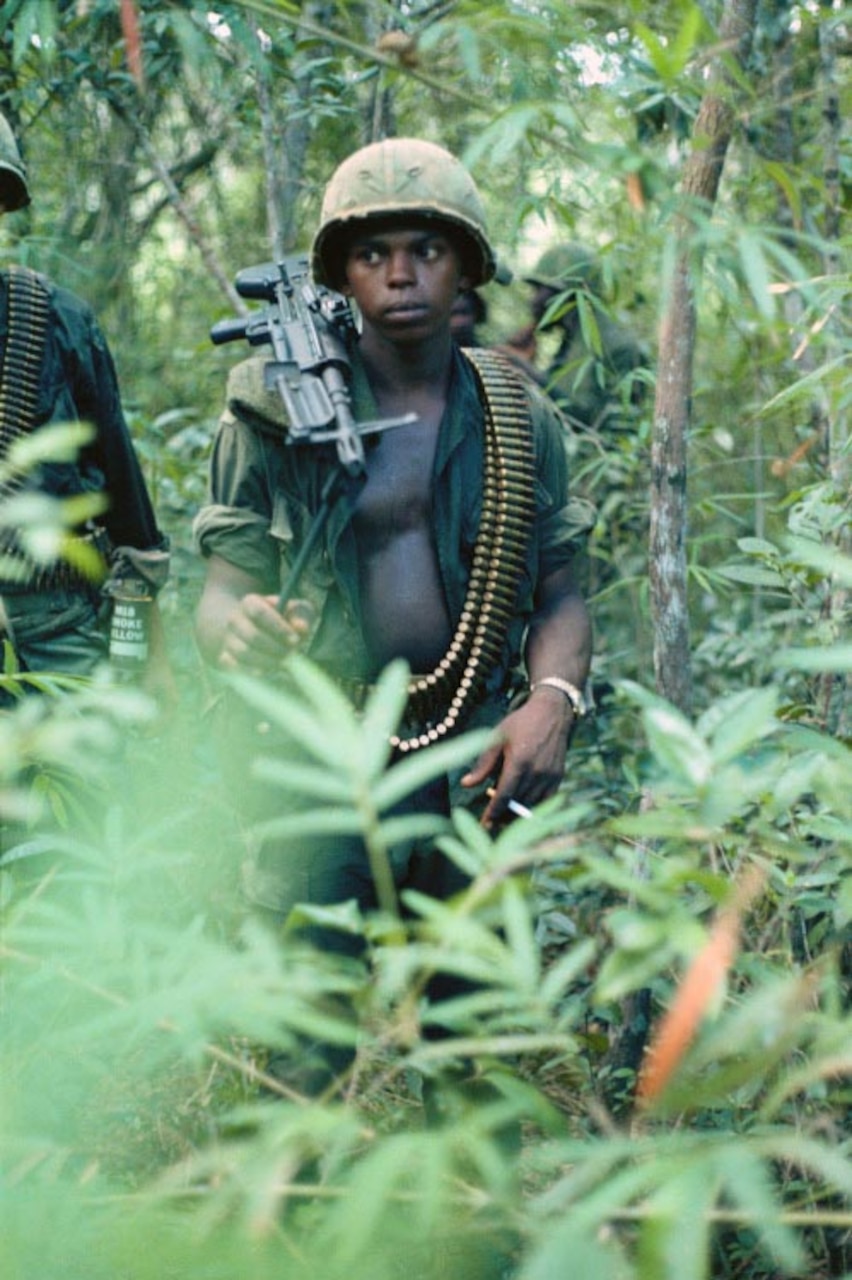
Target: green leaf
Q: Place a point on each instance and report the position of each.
(499, 140)
(623, 972)
(564, 1251)
(747, 718)
(560, 975)
(789, 186)
(55, 442)
(304, 779)
(748, 1183)
(469, 50)
(756, 272)
(520, 937)
(411, 826)
(758, 547)
(832, 657)
(674, 1236)
(751, 574)
(419, 767)
(632, 931)
(327, 821)
(589, 326)
(381, 717)
(829, 560)
(676, 745)
(827, 1160)
(843, 906)
(328, 730)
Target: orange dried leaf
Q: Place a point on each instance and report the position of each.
(695, 995)
(132, 41)
(636, 192)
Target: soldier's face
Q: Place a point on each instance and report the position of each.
(404, 277)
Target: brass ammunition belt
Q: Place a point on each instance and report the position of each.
(439, 703)
(28, 309)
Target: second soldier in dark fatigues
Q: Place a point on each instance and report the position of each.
(56, 618)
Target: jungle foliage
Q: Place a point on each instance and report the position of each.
(689, 887)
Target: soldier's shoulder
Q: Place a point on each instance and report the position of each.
(248, 397)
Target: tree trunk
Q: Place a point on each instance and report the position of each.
(672, 409)
(667, 549)
(287, 133)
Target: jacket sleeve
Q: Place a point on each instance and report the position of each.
(90, 372)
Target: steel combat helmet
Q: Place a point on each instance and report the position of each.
(14, 192)
(567, 266)
(401, 176)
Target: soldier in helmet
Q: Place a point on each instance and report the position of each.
(402, 233)
(591, 374)
(56, 367)
(470, 310)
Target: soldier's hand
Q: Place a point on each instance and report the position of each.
(527, 762)
(258, 635)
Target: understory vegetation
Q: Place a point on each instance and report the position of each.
(651, 1080)
(140, 1000)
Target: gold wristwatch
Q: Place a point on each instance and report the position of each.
(574, 695)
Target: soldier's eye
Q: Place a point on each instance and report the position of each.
(367, 254)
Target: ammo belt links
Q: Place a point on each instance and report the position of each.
(28, 312)
(439, 702)
(28, 309)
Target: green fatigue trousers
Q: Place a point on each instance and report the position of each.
(60, 631)
(321, 870)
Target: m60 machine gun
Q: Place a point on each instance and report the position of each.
(310, 330)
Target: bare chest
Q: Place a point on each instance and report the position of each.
(398, 491)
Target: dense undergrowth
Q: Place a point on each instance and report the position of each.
(699, 867)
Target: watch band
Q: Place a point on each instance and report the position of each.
(572, 693)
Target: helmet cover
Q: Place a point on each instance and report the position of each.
(567, 266)
(395, 177)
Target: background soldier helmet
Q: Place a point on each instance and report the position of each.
(568, 267)
(14, 192)
(401, 175)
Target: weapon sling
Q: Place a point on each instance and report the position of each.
(439, 702)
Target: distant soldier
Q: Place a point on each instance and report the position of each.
(56, 367)
(470, 310)
(592, 375)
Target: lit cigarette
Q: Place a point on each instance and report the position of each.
(520, 810)
(514, 806)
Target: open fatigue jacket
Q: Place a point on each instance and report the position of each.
(264, 492)
(57, 620)
(78, 383)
